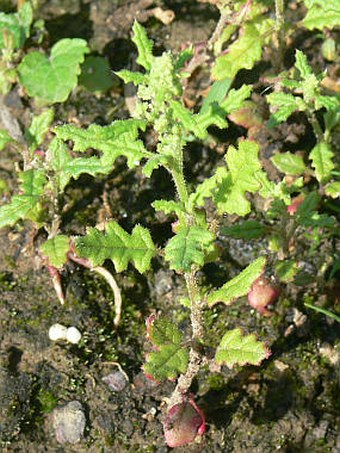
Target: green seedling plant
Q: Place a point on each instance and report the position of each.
(159, 106)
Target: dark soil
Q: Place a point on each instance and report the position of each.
(290, 404)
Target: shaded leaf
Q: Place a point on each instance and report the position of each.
(96, 75)
(250, 229)
(17, 25)
(39, 127)
(4, 139)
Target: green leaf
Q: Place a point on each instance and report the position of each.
(286, 270)
(288, 163)
(65, 167)
(301, 63)
(168, 206)
(188, 247)
(250, 229)
(244, 168)
(322, 14)
(333, 189)
(170, 359)
(242, 54)
(238, 349)
(4, 139)
(284, 105)
(117, 139)
(216, 93)
(307, 215)
(144, 46)
(236, 98)
(17, 25)
(117, 245)
(24, 206)
(96, 75)
(321, 157)
(239, 285)
(39, 127)
(56, 250)
(137, 78)
(51, 80)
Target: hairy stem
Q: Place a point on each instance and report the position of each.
(316, 126)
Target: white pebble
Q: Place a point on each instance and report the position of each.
(73, 335)
(57, 332)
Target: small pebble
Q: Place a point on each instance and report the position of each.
(57, 332)
(73, 335)
(116, 381)
(69, 423)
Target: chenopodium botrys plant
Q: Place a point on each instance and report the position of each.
(159, 106)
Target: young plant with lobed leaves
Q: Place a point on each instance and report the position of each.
(159, 106)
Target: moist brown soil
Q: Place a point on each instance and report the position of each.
(289, 404)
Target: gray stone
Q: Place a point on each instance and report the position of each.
(69, 423)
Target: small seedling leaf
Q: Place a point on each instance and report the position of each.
(55, 249)
(288, 163)
(52, 79)
(25, 205)
(117, 245)
(144, 46)
(17, 24)
(170, 359)
(188, 248)
(333, 189)
(321, 157)
(284, 105)
(39, 127)
(239, 285)
(238, 349)
(243, 176)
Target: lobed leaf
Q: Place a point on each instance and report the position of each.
(52, 79)
(322, 14)
(144, 46)
(65, 167)
(333, 189)
(117, 245)
(170, 359)
(243, 176)
(321, 157)
(242, 54)
(288, 163)
(39, 127)
(23, 206)
(238, 349)
(120, 138)
(238, 286)
(188, 248)
(55, 249)
(284, 105)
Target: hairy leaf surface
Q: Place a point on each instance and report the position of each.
(188, 248)
(322, 161)
(117, 245)
(238, 349)
(56, 249)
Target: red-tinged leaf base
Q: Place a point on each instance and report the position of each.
(262, 294)
(183, 423)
